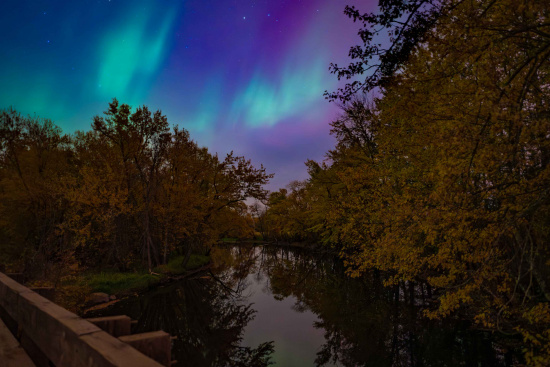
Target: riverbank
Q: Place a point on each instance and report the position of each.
(117, 285)
(97, 289)
(75, 292)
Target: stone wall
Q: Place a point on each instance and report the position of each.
(60, 336)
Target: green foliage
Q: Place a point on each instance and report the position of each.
(175, 265)
(114, 283)
(197, 261)
(229, 240)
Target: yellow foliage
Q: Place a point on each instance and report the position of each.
(445, 176)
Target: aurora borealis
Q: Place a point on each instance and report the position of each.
(240, 75)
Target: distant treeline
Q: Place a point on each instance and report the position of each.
(441, 173)
(126, 194)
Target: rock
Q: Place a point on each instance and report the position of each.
(101, 306)
(96, 298)
(112, 297)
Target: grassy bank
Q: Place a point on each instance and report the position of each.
(174, 266)
(73, 290)
(116, 282)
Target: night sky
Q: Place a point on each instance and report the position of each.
(240, 75)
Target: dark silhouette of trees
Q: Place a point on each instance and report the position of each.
(405, 24)
(35, 170)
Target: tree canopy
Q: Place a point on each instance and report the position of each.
(127, 194)
(442, 175)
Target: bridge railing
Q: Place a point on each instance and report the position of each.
(62, 337)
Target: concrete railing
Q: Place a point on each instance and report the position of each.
(47, 330)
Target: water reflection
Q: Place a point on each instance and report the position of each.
(206, 317)
(366, 324)
(315, 314)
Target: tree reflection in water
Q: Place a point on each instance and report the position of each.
(364, 323)
(205, 315)
(367, 324)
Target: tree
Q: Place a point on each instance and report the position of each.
(446, 176)
(35, 173)
(178, 194)
(406, 24)
(126, 194)
(142, 140)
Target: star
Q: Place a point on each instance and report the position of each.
(244, 18)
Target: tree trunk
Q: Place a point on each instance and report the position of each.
(165, 245)
(147, 239)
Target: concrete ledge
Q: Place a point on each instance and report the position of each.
(156, 344)
(46, 292)
(18, 277)
(65, 338)
(114, 325)
(11, 353)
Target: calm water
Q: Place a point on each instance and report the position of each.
(299, 309)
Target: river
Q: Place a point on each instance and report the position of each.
(295, 308)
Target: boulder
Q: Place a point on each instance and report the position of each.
(96, 298)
